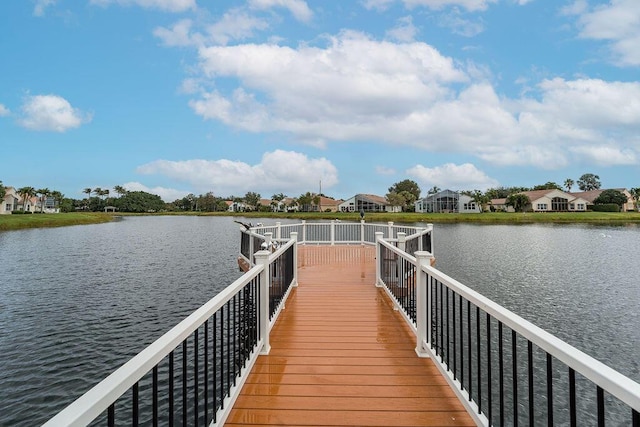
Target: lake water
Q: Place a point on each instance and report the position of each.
(77, 302)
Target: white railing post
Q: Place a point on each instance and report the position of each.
(422, 231)
(294, 237)
(252, 259)
(362, 232)
(267, 240)
(278, 231)
(430, 227)
(390, 227)
(402, 241)
(378, 235)
(262, 258)
(423, 258)
(304, 231)
(333, 232)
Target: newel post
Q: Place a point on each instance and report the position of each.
(423, 258)
(378, 235)
(362, 232)
(262, 258)
(278, 230)
(333, 232)
(402, 241)
(294, 237)
(390, 229)
(268, 236)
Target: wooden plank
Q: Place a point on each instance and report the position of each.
(341, 355)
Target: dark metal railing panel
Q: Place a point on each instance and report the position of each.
(511, 380)
(399, 276)
(189, 386)
(282, 273)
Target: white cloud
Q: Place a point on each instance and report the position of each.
(51, 113)
(166, 194)
(404, 31)
(470, 5)
(179, 34)
(164, 5)
(379, 5)
(383, 170)
(41, 6)
(617, 22)
(278, 171)
(452, 176)
(298, 8)
(461, 26)
(235, 24)
(4, 111)
(606, 155)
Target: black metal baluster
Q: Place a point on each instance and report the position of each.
(135, 414)
(478, 361)
(111, 415)
(429, 310)
(600, 396)
(635, 418)
(154, 386)
(549, 391)
(470, 380)
(501, 373)
(530, 379)
(171, 409)
(195, 377)
(489, 391)
(184, 382)
(514, 368)
(206, 371)
(461, 345)
(572, 398)
(441, 322)
(453, 321)
(214, 366)
(446, 290)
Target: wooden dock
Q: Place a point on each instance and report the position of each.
(341, 356)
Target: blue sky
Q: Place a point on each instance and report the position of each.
(276, 96)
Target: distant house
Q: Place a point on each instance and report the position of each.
(10, 201)
(367, 203)
(555, 201)
(329, 205)
(590, 196)
(235, 206)
(500, 205)
(447, 201)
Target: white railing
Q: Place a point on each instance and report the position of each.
(250, 325)
(454, 326)
(340, 233)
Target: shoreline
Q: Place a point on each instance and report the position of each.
(20, 222)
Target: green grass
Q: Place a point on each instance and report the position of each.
(17, 222)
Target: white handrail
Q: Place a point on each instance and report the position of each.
(98, 399)
(618, 385)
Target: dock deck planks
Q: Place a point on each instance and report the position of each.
(341, 356)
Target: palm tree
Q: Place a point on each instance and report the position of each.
(97, 191)
(57, 197)
(568, 183)
(88, 192)
(26, 193)
(105, 192)
(120, 190)
(43, 192)
(635, 193)
(3, 192)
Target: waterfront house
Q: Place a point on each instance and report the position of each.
(447, 201)
(235, 206)
(10, 201)
(590, 196)
(367, 203)
(553, 200)
(500, 205)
